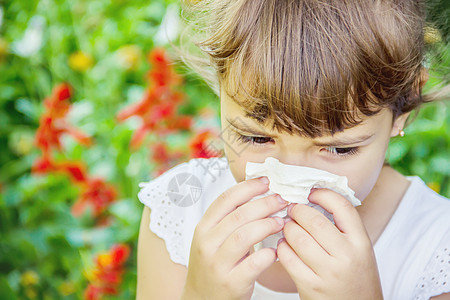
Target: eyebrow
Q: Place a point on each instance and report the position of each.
(249, 129)
(343, 141)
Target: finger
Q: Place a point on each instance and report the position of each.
(327, 236)
(253, 265)
(306, 248)
(345, 215)
(248, 212)
(231, 199)
(295, 267)
(241, 240)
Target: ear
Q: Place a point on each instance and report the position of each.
(399, 124)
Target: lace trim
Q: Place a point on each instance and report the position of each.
(166, 221)
(436, 276)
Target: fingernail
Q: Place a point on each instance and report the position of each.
(280, 241)
(264, 179)
(289, 209)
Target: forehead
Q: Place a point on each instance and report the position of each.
(234, 114)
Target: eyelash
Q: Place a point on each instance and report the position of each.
(335, 151)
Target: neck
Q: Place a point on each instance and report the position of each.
(379, 206)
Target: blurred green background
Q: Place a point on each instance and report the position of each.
(100, 49)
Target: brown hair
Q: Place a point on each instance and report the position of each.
(313, 66)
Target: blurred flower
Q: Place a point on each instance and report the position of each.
(29, 278)
(21, 142)
(97, 194)
(76, 170)
(52, 124)
(106, 277)
(31, 293)
(431, 35)
(94, 191)
(92, 292)
(80, 61)
(129, 56)
(162, 156)
(205, 145)
(66, 288)
(434, 186)
(3, 49)
(43, 165)
(32, 39)
(170, 26)
(157, 108)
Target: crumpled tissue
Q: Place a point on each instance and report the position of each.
(294, 184)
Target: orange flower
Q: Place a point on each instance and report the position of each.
(108, 272)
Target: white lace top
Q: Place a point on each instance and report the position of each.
(413, 252)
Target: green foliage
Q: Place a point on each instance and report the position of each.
(39, 235)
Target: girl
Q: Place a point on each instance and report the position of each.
(322, 84)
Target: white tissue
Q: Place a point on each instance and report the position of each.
(294, 184)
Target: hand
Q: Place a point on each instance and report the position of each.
(327, 261)
(220, 265)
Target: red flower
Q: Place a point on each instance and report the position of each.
(157, 108)
(52, 124)
(202, 145)
(76, 170)
(62, 92)
(97, 194)
(92, 292)
(120, 254)
(43, 165)
(108, 272)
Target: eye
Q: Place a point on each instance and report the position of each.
(254, 140)
(342, 151)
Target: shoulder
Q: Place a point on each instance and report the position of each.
(418, 231)
(433, 279)
(427, 203)
(179, 197)
(425, 214)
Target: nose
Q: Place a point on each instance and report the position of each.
(296, 158)
(296, 151)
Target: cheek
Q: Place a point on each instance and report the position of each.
(363, 180)
(238, 161)
(364, 174)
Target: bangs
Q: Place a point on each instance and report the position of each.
(316, 67)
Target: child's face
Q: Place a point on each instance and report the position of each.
(357, 152)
